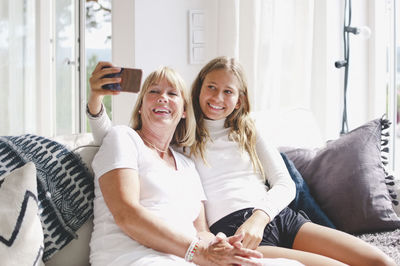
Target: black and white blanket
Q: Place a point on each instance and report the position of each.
(65, 185)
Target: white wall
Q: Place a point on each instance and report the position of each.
(150, 33)
(123, 54)
(328, 81)
(358, 86)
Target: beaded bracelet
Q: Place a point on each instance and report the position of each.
(96, 115)
(191, 250)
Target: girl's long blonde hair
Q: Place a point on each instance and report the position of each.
(184, 135)
(242, 127)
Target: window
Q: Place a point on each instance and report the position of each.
(65, 67)
(43, 70)
(38, 44)
(97, 42)
(385, 70)
(393, 81)
(17, 66)
(397, 91)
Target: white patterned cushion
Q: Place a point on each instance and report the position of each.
(21, 235)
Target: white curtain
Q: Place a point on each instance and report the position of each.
(273, 41)
(17, 67)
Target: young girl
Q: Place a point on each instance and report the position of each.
(233, 161)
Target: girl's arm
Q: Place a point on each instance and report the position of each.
(282, 188)
(121, 190)
(278, 197)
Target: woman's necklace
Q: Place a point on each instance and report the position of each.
(153, 146)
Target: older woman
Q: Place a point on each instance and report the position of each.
(148, 206)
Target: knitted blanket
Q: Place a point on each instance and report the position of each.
(388, 242)
(65, 185)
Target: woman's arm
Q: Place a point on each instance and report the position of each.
(100, 125)
(121, 190)
(96, 81)
(99, 121)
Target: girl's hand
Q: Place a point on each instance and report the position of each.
(225, 251)
(96, 81)
(253, 229)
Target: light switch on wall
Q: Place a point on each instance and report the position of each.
(198, 54)
(196, 36)
(198, 19)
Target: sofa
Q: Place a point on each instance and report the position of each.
(333, 179)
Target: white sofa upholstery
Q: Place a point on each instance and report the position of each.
(77, 251)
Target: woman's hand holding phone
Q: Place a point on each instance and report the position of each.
(104, 74)
(108, 79)
(96, 81)
(130, 80)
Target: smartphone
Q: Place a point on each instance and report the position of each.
(131, 79)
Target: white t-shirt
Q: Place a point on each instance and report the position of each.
(230, 182)
(239, 186)
(173, 195)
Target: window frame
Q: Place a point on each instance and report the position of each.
(396, 84)
(44, 65)
(382, 67)
(81, 66)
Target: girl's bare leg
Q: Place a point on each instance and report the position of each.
(339, 246)
(306, 258)
(319, 245)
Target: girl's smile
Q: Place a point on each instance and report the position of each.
(219, 94)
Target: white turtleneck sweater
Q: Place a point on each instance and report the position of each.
(230, 182)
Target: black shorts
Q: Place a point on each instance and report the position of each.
(280, 232)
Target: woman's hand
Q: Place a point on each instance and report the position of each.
(253, 229)
(225, 251)
(96, 81)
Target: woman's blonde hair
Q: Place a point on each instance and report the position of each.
(184, 135)
(242, 127)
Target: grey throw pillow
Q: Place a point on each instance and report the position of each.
(348, 179)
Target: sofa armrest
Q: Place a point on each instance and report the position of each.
(77, 251)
